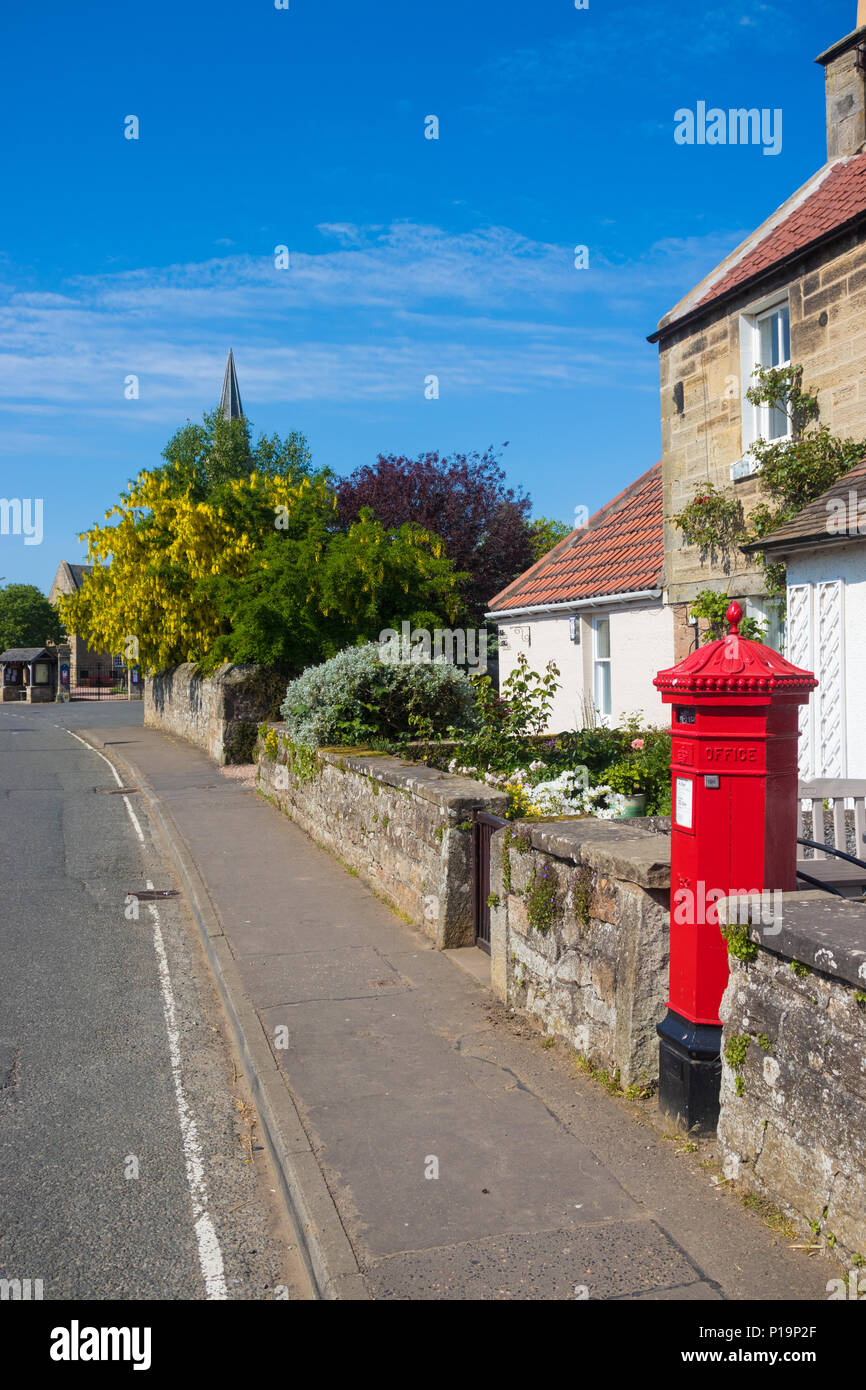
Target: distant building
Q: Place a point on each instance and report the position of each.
(230, 400)
(28, 673)
(86, 664)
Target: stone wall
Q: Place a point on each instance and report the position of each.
(219, 713)
(579, 935)
(793, 1115)
(405, 828)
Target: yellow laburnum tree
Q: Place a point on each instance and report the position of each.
(150, 596)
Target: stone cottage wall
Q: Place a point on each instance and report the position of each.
(702, 386)
(579, 935)
(219, 713)
(405, 828)
(793, 1114)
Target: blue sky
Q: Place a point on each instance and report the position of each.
(409, 257)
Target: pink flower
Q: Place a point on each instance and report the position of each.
(637, 743)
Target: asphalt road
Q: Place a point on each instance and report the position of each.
(130, 1160)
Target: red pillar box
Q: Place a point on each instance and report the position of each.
(733, 829)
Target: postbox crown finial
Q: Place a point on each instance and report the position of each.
(733, 616)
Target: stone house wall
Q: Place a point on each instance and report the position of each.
(404, 828)
(793, 1115)
(579, 935)
(219, 713)
(701, 389)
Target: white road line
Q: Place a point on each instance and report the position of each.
(209, 1253)
(132, 816)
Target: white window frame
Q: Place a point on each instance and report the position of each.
(767, 612)
(599, 661)
(755, 418)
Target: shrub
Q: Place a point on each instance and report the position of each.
(356, 698)
(508, 723)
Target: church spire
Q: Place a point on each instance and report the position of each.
(230, 401)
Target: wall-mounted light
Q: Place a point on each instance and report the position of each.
(574, 629)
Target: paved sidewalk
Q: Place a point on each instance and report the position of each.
(399, 1062)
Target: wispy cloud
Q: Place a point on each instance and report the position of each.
(366, 318)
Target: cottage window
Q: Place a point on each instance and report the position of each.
(765, 341)
(774, 349)
(601, 665)
(766, 612)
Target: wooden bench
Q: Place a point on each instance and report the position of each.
(848, 879)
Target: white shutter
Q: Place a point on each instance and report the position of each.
(799, 651)
(829, 698)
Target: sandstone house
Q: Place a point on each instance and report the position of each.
(794, 292)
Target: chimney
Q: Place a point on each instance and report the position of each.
(845, 84)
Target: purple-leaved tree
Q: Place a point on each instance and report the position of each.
(463, 499)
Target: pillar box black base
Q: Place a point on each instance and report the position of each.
(690, 1072)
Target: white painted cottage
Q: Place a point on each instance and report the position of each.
(824, 548)
(595, 605)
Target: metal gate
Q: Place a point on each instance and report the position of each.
(483, 827)
(102, 680)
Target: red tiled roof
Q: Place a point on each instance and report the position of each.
(839, 198)
(620, 550)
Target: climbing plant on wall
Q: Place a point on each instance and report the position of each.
(793, 471)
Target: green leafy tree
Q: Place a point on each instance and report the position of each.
(27, 619)
(218, 451)
(310, 591)
(544, 533)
